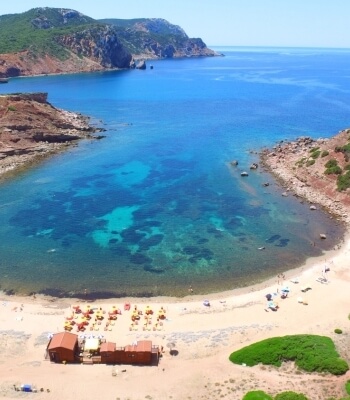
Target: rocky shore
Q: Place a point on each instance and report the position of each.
(31, 129)
(300, 166)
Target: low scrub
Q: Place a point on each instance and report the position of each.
(290, 396)
(343, 181)
(333, 170)
(331, 163)
(257, 395)
(311, 353)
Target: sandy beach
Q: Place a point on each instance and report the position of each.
(204, 338)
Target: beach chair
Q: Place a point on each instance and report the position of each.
(305, 288)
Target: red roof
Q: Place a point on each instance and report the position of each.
(107, 346)
(141, 346)
(65, 340)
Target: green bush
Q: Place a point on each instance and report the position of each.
(343, 181)
(290, 396)
(311, 353)
(11, 108)
(257, 395)
(310, 162)
(315, 154)
(331, 163)
(314, 149)
(347, 167)
(324, 153)
(338, 331)
(333, 170)
(347, 387)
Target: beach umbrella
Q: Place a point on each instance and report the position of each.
(171, 346)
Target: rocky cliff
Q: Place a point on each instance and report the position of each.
(30, 128)
(157, 38)
(57, 40)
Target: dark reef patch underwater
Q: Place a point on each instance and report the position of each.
(156, 206)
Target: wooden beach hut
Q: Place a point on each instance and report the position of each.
(63, 347)
(141, 353)
(107, 352)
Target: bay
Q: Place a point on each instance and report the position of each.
(156, 206)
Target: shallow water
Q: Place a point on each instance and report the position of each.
(156, 206)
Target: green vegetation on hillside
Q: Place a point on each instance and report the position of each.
(37, 31)
(20, 32)
(310, 353)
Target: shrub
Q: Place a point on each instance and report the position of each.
(324, 153)
(333, 170)
(331, 163)
(347, 167)
(338, 331)
(257, 395)
(347, 386)
(310, 162)
(314, 149)
(300, 162)
(290, 396)
(11, 108)
(315, 154)
(311, 353)
(343, 181)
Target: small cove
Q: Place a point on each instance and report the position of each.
(156, 206)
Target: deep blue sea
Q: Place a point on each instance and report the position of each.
(156, 206)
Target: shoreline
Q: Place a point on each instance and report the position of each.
(204, 338)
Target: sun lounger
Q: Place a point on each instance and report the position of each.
(306, 288)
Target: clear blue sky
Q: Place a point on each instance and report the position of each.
(300, 23)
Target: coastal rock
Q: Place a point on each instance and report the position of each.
(31, 127)
(234, 163)
(141, 65)
(303, 170)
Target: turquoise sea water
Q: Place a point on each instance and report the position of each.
(155, 206)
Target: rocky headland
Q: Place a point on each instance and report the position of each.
(57, 40)
(31, 129)
(315, 170)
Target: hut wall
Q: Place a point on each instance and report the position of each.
(61, 354)
(108, 357)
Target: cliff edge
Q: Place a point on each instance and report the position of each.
(31, 128)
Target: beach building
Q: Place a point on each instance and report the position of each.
(62, 347)
(66, 347)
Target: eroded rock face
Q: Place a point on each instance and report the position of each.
(100, 44)
(30, 126)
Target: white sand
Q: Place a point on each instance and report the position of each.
(204, 339)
